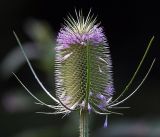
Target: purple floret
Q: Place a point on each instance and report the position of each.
(101, 97)
(109, 89)
(68, 37)
(102, 106)
(106, 122)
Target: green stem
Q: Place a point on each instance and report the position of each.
(84, 123)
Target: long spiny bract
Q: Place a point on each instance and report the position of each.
(39, 82)
(137, 70)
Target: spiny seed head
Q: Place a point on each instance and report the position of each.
(83, 65)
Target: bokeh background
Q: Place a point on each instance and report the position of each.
(129, 25)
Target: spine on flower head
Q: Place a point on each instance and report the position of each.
(83, 65)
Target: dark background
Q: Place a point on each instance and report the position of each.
(129, 25)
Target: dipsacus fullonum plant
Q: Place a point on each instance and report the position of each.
(83, 72)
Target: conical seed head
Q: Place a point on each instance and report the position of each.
(83, 65)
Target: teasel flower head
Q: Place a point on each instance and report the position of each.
(83, 70)
(83, 65)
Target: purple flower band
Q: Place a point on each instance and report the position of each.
(68, 37)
